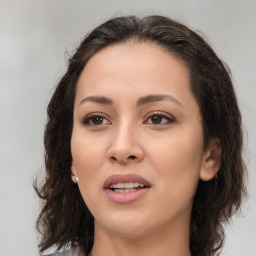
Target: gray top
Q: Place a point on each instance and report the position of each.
(70, 252)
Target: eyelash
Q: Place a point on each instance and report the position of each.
(170, 119)
(87, 120)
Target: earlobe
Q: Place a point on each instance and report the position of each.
(74, 176)
(212, 160)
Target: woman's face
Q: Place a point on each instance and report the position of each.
(137, 141)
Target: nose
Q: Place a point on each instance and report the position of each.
(125, 146)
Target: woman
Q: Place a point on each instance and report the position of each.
(143, 145)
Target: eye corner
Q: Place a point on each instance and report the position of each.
(169, 119)
(95, 120)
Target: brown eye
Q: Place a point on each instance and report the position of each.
(95, 120)
(156, 119)
(159, 119)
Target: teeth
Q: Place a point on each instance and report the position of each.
(120, 185)
(124, 190)
(127, 185)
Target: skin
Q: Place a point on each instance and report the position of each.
(168, 152)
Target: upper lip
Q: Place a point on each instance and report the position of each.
(125, 178)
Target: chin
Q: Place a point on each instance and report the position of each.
(125, 225)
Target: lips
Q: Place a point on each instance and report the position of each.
(125, 179)
(125, 188)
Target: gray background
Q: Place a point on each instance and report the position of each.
(34, 36)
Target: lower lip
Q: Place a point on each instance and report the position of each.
(127, 197)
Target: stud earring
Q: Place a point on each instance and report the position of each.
(76, 179)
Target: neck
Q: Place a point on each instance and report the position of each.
(162, 242)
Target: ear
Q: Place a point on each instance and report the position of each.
(73, 173)
(212, 160)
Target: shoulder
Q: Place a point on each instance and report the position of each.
(70, 252)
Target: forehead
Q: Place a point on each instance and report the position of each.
(135, 69)
(132, 55)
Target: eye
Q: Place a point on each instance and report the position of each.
(95, 119)
(159, 118)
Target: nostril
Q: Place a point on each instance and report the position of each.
(113, 158)
(122, 158)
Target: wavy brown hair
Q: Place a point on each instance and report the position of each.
(64, 218)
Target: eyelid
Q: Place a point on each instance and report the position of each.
(162, 114)
(86, 119)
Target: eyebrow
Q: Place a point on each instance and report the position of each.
(141, 101)
(97, 99)
(158, 97)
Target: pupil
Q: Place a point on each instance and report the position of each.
(97, 120)
(156, 119)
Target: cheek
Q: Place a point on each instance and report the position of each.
(87, 154)
(177, 160)
(87, 159)
(178, 149)
(86, 162)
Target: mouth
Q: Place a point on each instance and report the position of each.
(125, 188)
